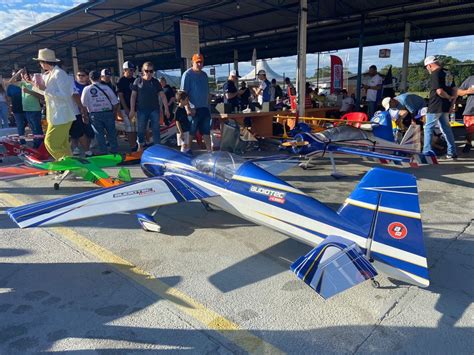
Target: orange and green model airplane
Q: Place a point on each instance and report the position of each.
(89, 169)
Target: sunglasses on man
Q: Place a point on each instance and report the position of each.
(148, 71)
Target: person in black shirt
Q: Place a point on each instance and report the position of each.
(244, 96)
(170, 96)
(439, 105)
(183, 125)
(124, 91)
(106, 78)
(231, 94)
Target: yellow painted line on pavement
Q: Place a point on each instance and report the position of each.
(210, 319)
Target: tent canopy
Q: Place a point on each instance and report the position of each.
(263, 65)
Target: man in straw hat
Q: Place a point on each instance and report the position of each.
(58, 89)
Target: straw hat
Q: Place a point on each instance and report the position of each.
(47, 55)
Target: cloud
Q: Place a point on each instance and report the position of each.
(17, 20)
(457, 45)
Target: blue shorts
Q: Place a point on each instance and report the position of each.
(201, 122)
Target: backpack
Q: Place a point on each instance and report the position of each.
(278, 92)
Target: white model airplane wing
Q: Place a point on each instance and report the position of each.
(277, 164)
(157, 191)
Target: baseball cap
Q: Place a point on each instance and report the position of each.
(94, 75)
(430, 60)
(105, 72)
(386, 103)
(262, 72)
(198, 57)
(128, 65)
(421, 112)
(234, 73)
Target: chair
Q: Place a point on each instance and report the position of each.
(355, 117)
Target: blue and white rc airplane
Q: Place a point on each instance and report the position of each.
(375, 143)
(378, 228)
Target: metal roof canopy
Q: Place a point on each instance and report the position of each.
(268, 25)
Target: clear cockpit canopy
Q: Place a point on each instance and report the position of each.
(220, 165)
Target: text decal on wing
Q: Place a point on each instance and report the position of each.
(140, 192)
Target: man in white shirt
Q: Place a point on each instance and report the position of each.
(372, 87)
(57, 88)
(102, 105)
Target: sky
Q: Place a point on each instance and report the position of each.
(16, 15)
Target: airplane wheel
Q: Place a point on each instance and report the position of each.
(56, 186)
(375, 284)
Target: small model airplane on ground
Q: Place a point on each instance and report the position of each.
(362, 143)
(11, 146)
(377, 228)
(89, 169)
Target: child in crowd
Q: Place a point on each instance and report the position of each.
(183, 124)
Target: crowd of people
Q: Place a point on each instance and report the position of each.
(87, 107)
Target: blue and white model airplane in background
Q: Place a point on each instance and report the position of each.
(376, 145)
(377, 228)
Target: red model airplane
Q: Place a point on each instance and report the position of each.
(10, 146)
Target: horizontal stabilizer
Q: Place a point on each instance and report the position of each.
(333, 266)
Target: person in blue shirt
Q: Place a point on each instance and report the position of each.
(14, 94)
(195, 83)
(403, 108)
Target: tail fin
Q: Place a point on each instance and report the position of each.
(412, 138)
(385, 204)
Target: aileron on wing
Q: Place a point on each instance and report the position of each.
(158, 191)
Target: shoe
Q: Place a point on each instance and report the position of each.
(76, 151)
(247, 110)
(450, 157)
(467, 148)
(88, 154)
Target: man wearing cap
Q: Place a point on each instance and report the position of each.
(231, 94)
(81, 131)
(439, 105)
(102, 105)
(57, 88)
(195, 83)
(124, 90)
(403, 108)
(106, 78)
(263, 90)
(467, 88)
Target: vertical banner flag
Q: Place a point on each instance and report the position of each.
(336, 73)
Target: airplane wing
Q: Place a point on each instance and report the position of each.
(378, 157)
(152, 192)
(276, 164)
(20, 171)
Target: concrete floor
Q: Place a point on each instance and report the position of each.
(213, 283)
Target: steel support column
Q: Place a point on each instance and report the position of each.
(301, 68)
(120, 58)
(406, 54)
(359, 63)
(75, 63)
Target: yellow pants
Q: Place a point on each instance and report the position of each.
(56, 140)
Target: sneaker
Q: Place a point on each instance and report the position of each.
(76, 151)
(88, 154)
(451, 157)
(467, 148)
